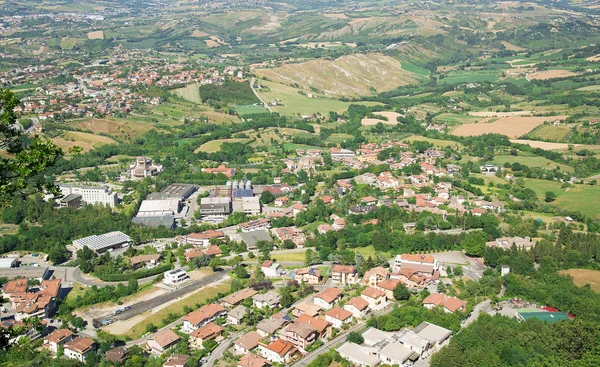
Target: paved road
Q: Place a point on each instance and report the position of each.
(141, 307)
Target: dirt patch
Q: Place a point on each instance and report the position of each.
(593, 58)
(326, 44)
(582, 277)
(118, 128)
(86, 141)
(336, 16)
(551, 74)
(511, 47)
(95, 35)
(211, 43)
(544, 145)
(513, 127)
(499, 114)
(199, 34)
(392, 118)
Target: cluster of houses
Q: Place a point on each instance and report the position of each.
(32, 300)
(102, 89)
(400, 348)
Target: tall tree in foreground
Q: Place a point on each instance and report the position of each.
(23, 172)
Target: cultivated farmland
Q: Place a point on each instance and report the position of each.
(513, 127)
(392, 118)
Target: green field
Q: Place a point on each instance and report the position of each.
(470, 77)
(215, 145)
(552, 133)
(190, 92)
(293, 103)
(579, 197)
(436, 142)
(249, 109)
(531, 161)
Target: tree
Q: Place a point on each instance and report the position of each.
(23, 172)
(311, 257)
(241, 272)
(355, 337)
(266, 197)
(264, 248)
(401, 293)
(458, 270)
(287, 299)
(215, 263)
(202, 261)
(550, 196)
(474, 243)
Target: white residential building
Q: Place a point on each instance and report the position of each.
(175, 277)
(95, 195)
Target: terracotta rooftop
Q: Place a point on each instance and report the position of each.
(251, 360)
(80, 345)
(203, 313)
(329, 294)
(165, 338)
(338, 268)
(282, 347)
(339, 313)
(59, 335)
(319, 324)
(359, 303)
(373, 293)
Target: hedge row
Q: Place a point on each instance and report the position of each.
(136, 274)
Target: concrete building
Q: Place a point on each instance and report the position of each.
(358, 355)
(8, 262)
(205, 314)
(344, 274)
(270, 300)
(57, 338)
(143, 167)
(72, 201)
(160, 342)
(271, 269)
(358, 306)
(94, 195)
(237, 315)
(338, 317)
(79, 348)
(251, 238)
(247, 343)
(327, 298)
(175, 277)
(159, 208)
(215, 209)
(279, 351)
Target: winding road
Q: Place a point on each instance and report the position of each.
(257, 96)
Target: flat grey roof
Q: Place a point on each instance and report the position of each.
(432, 332)
(355, 352)
(396, 351)
(251, 238)
(103, 241)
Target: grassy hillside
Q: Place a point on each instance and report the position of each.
(351, 75)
